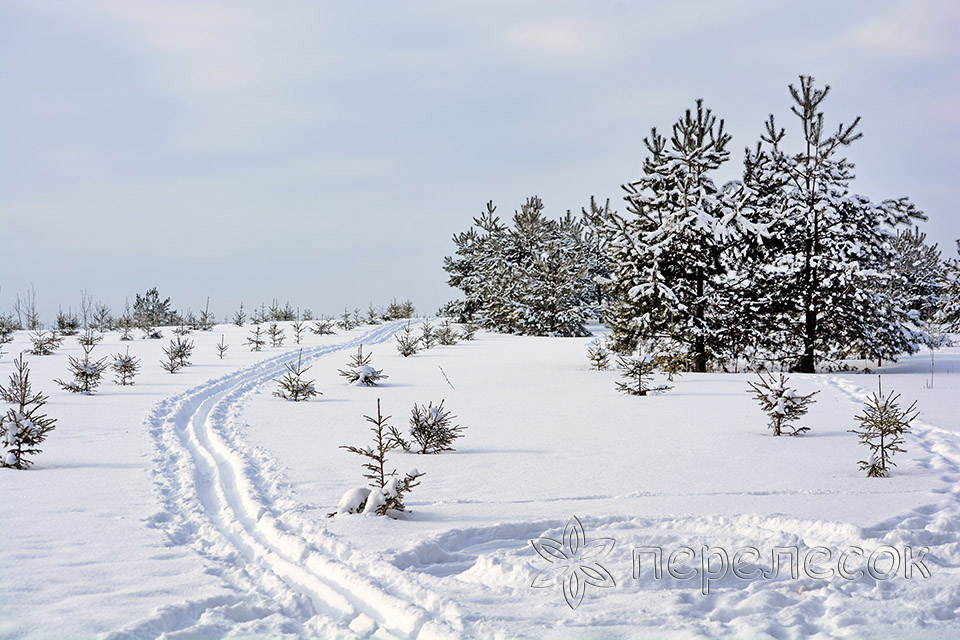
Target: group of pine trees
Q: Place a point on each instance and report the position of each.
(784, 268)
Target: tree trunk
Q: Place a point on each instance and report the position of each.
(699, 345)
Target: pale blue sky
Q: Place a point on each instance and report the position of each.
(325, 152)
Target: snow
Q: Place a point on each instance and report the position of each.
(195, 505)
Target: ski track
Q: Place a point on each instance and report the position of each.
(221, 498)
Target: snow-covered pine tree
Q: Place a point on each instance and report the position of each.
(948, 314)
(637, 369)
(7, 326)
(86, 372)
(669, 355)
(67, 323)
(427, 336)
(468, 330)
(825, 245)
(178, 354)
(387, 491)
(598, 354)
(276, 334)
(102, 319)
(432, 428)
(207, 319)
(44, 343)
(667, 256)
(125, 368)
(445, 334)
(373, 315)
(323, 327)
(293, 386)
(299, 325)
(595, 252)
(882, 425)
(149, 311)
(222, 347)
(23, 428)
(407, 343)
(359, 370)
(239, 317)
(346, 321)
(255, 339)
(782, 403)
(260, 315)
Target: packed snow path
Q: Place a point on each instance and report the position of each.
(218, 498)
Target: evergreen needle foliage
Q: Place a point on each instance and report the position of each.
(432, 428)
(44, 342)
(125, 368)
(299, 326)
(178, 355)
(276, 334)
(22, 428)
(407, 343)
(468, 330)
(359, 370)
(86, 372)
(427, 335)
(598, 354)
(781, 403)
(388, 490)
(222, 347)
(255, 340)
(445, 334)
(239, 317)
(637, 370)
(292, 385)
(882, 425)
(323, 327)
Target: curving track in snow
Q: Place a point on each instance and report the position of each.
(222, 498)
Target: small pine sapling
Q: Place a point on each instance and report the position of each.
(183, 330)
(373, 315)
(178, 355)
(7, 326)
(307, 315)
(445, 334)
(239, 317)
(637, 370)
(407, 343)
(260, 315)
(276, 334)
(222, 347)
(88, 338)
(125, 368)
(783, 404)
(359, 370)
(882, 426)
(670, 357)
(44, 342)
(255, 339)
(427, 336)
(86, 372)
(323, 327)
(345, 322)
(292, 385)
(598, 354)
(299, 326)
(22, 428)
(207, 319)
(67, 324)
(356, 318)
(468, 330)
(387, 490)
(102, 318)
(432, 428)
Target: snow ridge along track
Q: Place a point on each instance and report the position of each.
(217, 497)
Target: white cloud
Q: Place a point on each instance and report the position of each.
(912, 29)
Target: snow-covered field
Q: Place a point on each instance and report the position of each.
(195, 504)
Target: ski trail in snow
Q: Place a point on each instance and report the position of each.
(218, 498)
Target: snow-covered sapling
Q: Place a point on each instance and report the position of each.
(293, 386)
(427, 335)
(882, 425)
(783, 404)
(276, 334)
(346, 321)
(102, 319)
(670, 357)
(207, 320)
(373, 315)
(222, 347)
(637, 370)
(432, 428)
(255, 339)
(239, 317)
(178, 355)
(468, 330)
(86, 372)
(387, 490)
(322, 327)
(445, 334)
(67, 324)
(598, 354)
(125, 368)
(22, 428)
(44, 342)
(407, 343)
(299, 326)
(360, 371)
